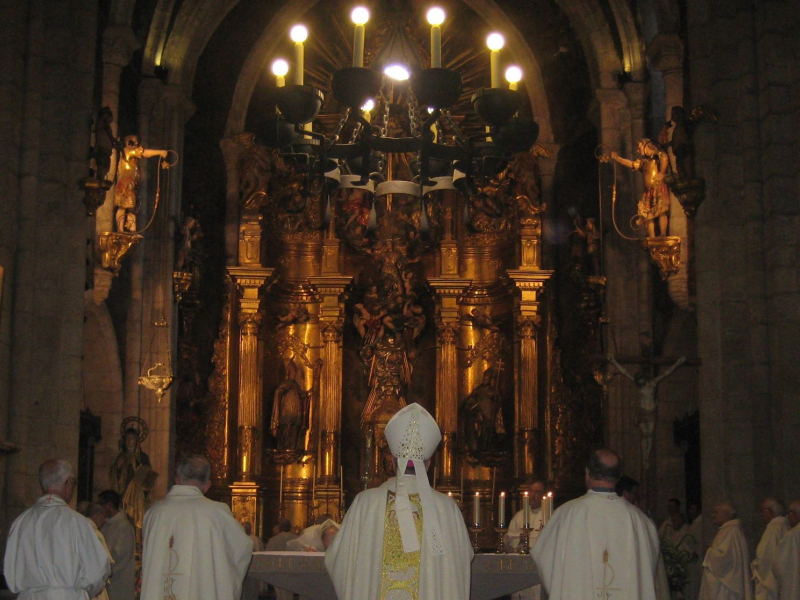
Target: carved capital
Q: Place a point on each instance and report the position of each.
(119, 44)
(528, 326)
(331, 332)
(249, 322)
(665, 52)
(446, 332)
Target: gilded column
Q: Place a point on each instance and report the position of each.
(245, 492)
(331, 320)
(447, 324)
(526, 386)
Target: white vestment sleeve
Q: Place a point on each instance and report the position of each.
(95, 564)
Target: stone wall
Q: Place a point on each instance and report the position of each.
(48, 52)
(743, 62)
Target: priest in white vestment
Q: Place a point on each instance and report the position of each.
(53, 552)
(726, 566)
(194, 549)
(773, 515)
(536, 523)
(598, 545)
(403, 540)
(121, 540)
(786, 566)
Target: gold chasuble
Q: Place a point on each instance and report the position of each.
(400, 572)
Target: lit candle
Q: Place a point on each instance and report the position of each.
(313, 483)
(299, 34)
(280, 491)
(367, 109)
(526, 510)
(280, 68)
(359, 16)
(476, 510)
(436, 18)
(495, 42)
(513, 76)
(501, 503)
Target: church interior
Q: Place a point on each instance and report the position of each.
(206, 250)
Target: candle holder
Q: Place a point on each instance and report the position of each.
(524, 539)
(501, 540)
(475, 531)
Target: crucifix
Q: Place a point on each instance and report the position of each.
(647, 396)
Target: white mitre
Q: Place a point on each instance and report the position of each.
(413, 436)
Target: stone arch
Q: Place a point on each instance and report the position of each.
(102, 384)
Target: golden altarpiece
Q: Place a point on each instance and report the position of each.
(350, 298)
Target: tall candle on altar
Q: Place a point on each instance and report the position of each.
(476, 509)
(280, 490)
(495, 42)
(501, 510)
(299, 34)
(359, 16)
(436, 18)
(526, 510)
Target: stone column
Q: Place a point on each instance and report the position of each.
(242, 239)
(665, 54)
(447, 325)
(119, 44)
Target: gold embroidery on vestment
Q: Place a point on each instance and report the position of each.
(400, 571)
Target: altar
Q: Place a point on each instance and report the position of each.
(493, 575)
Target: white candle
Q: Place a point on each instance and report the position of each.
(476, 510)
(501, 504)
(495, 42)
(299, 34)
(436, 18)
(526, 511)
(359, 16)
(280, 491)
(280, 68)
(313, 483)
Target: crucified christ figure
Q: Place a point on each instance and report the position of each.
(647, 403)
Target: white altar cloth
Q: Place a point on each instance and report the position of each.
(493, 575)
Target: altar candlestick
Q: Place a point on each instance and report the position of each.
(299, 34)
(476, 510)
(526, 511)
(501, 504)
(436, 18)
(359, 16)
(313, 483)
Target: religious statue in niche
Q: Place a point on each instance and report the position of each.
(188, 250)
(525, 176)
(648, 410)
(290, 412)
(104, 143)
(131, 474)
(481, 417)
(353, 208)
(278, 190)
(128, 177)
(654, 204)
(584, 242)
